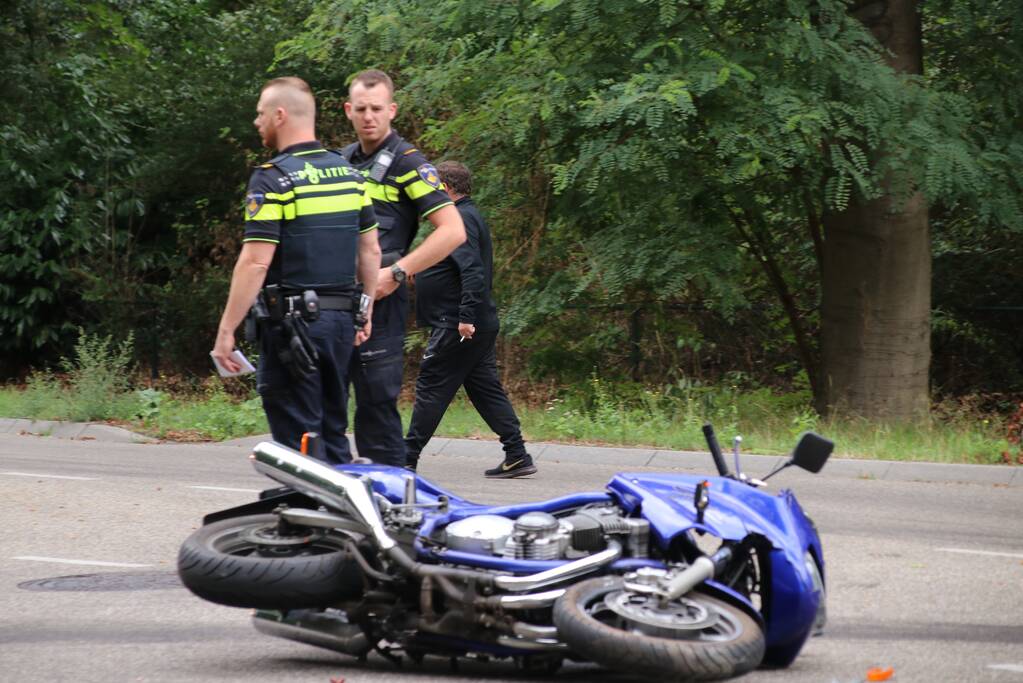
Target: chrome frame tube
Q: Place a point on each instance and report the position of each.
(569, 570)
(530, 600)
(322, 483)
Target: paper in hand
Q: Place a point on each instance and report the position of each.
(237, 357)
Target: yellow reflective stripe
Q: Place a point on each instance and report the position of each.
(421, 189)
(261, 239)
(384, 193)
(367, 200)
(349, 184)
(307, 206)
(439, 206)
(407, 176)
(311, 151)
(267, 212)
(280, 197)
(372, 227)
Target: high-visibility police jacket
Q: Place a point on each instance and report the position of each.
(410, 190)
(313, 205)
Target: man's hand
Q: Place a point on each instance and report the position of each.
(223, 348)
(386, 284)
(364, 334)
(466, 330)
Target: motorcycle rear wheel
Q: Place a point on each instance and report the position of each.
(696, 637)
(248, 562)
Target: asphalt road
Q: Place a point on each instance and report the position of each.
(926, 578)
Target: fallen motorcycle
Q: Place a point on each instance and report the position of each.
(672, 576)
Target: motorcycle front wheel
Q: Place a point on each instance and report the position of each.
(254, 561)
(695, 637)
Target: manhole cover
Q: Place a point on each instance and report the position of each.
(108, 581)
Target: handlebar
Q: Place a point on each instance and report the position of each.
(715, 450)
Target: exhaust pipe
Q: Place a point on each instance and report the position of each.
(331, 487)
(313, 628)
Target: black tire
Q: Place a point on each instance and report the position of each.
(732, 644)
(244, 562)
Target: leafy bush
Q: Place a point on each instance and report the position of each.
(99, 378)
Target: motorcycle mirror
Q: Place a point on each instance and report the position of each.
(812, 452)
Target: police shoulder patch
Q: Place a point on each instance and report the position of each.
(254, 202)
(429, 175)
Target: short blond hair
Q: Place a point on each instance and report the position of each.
(293, 94)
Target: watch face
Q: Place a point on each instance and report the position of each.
(398, 273)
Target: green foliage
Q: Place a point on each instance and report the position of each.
(628, 151)
(98, 378)
(149, 404)
(224, 418)
(125, 135)
(95, 384)
(629, 154)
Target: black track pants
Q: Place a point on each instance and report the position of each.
(448, 364)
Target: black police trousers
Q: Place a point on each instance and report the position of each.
(317, 403)
(447, 364)
(376, 373)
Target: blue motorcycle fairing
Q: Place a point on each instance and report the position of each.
(735, 511)
(389, 481)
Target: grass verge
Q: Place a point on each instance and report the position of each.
(765, 423)
(96, 385)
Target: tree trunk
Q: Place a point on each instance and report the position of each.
(876, 280)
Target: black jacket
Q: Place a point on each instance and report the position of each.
(458, 288)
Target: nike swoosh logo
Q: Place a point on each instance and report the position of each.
(505, 466)
(428, 355)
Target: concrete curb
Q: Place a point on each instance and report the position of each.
(490, 451)
(82, 431)
(754, 465)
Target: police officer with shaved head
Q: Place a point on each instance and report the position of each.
(405, 188)
(310, 234)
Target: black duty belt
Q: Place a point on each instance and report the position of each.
(335, 303)
(327, 302)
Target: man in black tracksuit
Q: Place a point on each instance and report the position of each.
(453, 298)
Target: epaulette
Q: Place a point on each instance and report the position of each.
(273, 162)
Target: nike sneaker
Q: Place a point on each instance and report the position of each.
(520, 466)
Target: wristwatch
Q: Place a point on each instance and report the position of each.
(398, 273)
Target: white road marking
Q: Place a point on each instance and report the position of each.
(97, 563)
(47, 476)
(979, 552)
(223, 488)
(1016, 668)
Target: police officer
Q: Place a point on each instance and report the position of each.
(309, 222)
(453, 298)
(405, 188)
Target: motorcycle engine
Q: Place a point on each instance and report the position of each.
(537, 536)
(542, 536)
